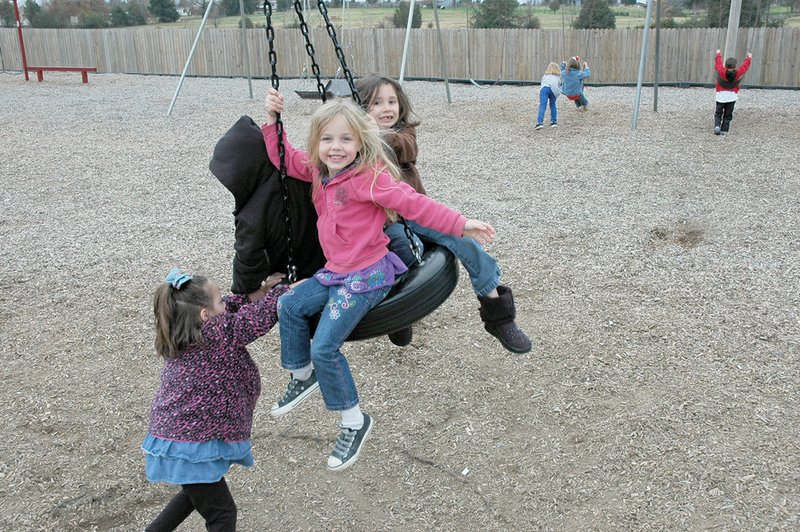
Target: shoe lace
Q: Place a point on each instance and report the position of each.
(343, 443)
(290, 390)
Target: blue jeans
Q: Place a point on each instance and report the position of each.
(546, 95)
(483, 270)
(581, 100)
(341, 312)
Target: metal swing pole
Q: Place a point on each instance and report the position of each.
(405, 44)
(189, 59)
(642, 63)
(244, 49)
(445, 73)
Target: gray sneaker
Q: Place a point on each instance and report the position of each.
(539, 126)
(717, 131)
(348, 446)
(296, 393)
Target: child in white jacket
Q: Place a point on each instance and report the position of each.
(549, 91)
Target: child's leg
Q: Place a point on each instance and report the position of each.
(175, 513)
(400, 245)
(294, 309)
(583, 101)
(484, 272)
(718, 114)
(544, 96)
(497, 311)
(215, 503)
(340, 316)
(553, 108)
(727, 116)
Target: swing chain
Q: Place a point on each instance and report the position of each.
(339, 53)
(412, 242)
(291, 267)
(298, 8)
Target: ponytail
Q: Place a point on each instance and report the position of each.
(177, 314)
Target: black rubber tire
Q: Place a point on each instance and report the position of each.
(413, 297)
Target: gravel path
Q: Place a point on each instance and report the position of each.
(656, 272)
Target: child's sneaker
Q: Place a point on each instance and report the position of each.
(717, 130)
(296, 393)
(348, 446)
(553, 124)
(538, 126)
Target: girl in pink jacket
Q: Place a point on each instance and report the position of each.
(355, 189)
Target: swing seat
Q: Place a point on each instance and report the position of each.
(415, 295)
(338, 88)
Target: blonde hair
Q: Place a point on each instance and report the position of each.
(553, 69)
(373, 153)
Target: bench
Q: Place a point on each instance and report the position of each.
(83, 70)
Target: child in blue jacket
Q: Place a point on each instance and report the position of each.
(573, 77)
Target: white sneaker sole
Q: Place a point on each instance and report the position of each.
(278, 411)
(345, 465)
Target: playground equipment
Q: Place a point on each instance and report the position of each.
(425, 286)
(40, 69)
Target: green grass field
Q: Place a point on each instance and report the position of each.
(450, 18)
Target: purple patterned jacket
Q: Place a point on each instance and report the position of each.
(209, 391)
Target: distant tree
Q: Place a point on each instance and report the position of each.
(555, 5)
(595, 14)
(285, 5)
(495, 14)
(164, 10)
(7, 17)
(137, 14)
(529, 22)
(230, 8)
(119, 17)
(400, 17)
(92, 19)
(752, 14)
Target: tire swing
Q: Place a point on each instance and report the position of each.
(426, 285)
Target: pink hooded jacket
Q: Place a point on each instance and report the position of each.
(351, 209)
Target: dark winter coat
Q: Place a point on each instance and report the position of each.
(241, 164)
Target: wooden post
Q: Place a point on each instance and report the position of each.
(733, 29)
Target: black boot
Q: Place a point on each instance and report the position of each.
(498, 315)
(402, 337)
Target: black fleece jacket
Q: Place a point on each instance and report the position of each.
(241, 164)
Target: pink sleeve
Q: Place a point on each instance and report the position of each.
(249, 322)
(403, 199)
(296, 165)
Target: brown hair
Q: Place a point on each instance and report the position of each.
(731, 62)
(177, 312)
(574, 63)
(368, 87)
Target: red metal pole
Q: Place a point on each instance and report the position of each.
(21, 42)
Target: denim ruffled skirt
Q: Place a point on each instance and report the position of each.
(178, 462)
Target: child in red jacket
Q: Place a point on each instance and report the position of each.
(727, 87)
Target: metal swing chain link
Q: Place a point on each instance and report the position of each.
(291, 268)
(339, 53)
(298, 8)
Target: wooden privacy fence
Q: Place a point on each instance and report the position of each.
(510, 55)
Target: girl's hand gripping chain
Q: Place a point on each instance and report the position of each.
(274, 104)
